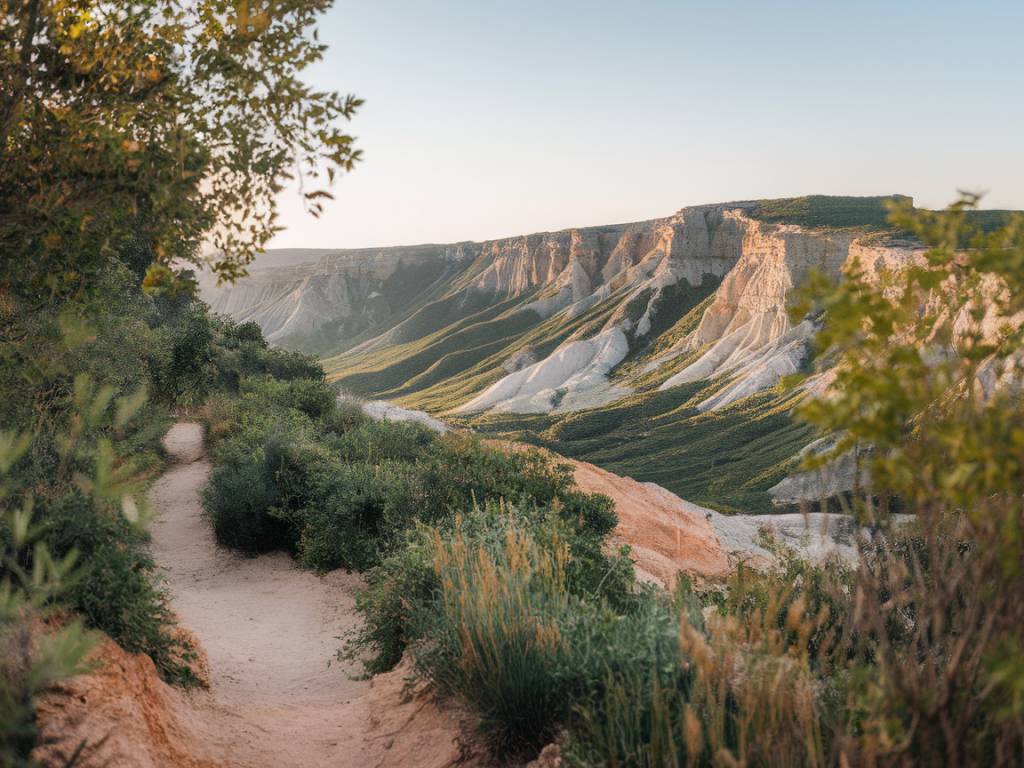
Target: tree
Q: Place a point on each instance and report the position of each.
(927, 372)
(150, 126)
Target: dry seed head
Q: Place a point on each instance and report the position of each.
(693, 733)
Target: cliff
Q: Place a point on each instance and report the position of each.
(662, 321)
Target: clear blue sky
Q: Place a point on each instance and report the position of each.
(485, 118)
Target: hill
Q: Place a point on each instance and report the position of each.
(654, 349)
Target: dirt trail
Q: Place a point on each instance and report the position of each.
(269, 631)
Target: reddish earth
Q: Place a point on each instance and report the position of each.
(666, 534)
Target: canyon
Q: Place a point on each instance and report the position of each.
(657, 349)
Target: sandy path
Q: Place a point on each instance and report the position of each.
(269, 630)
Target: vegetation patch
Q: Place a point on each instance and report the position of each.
(827, 211)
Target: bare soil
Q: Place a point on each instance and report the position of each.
(269, 630)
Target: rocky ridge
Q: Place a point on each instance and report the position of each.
(693, 307)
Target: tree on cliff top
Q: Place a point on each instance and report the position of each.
(150, 126)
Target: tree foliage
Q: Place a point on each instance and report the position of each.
(928, 377)
(151, 126)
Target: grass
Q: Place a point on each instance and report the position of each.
(827, 211)
(726, 460)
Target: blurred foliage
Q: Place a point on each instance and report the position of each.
(32, 579)
(130, 134)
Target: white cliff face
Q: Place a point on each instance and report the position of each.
(347, 290)
(575, 371)
(625, 275)
(746, 334)
(643, 262)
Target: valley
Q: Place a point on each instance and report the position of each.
(662, 350)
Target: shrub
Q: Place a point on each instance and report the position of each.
(312, 397)
(739, 687)
(32, 659)
(185, 374)
(375, 441)
(216, 416)
(463, 471)
(280, 364)
(494, 634)
(346, 416)
(239, 499)
(114, 588)
(395, 590)
(504, 628)
(355, 512)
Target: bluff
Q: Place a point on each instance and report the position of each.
(652, 348)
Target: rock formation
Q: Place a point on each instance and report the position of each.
(570, 322)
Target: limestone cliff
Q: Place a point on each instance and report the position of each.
(662, 320)
(324, 304)
(746, 335)
(630, 282)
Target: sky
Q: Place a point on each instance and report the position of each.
(486, 119)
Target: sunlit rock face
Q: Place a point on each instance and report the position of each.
(746, 334)
(628, 277)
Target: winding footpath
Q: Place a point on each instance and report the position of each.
(268, 632)
(269, 629)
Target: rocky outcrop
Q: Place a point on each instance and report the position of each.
(631, 267)
(838, 474)
(746, 335)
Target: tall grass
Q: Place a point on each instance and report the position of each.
(739, 688)
(502, 609)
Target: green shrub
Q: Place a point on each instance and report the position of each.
(345, 417)
(374, 441)
(395, 590)
(737, 687)
(114, 589)
(355, 512)
(239, 499)
(493, 616)
(185, 373)
(281, 364)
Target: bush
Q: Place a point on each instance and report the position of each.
(310, 396)
(375, 441)
(186, 371)
(239, 499)
(738, 689)
(280, 364)
(495, 635)
(395, 590)
(114, 587)
(490, 610)
(355, 512)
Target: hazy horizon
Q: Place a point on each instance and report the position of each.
(485, 122)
